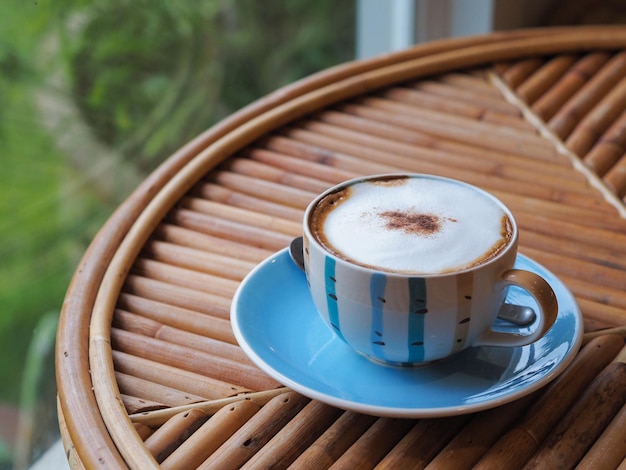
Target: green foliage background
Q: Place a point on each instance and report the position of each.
(146, 76)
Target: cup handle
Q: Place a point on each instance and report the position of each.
(541, 291)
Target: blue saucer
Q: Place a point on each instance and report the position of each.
(276, 324)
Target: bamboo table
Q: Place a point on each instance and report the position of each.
(148, 370)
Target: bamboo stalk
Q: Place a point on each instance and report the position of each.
(587, 289)
(448, 126)
(73, 459)
(604, 155)
(217, 367)
(618, 330)
(458, 105)
(545, 77)
(339, 121)
(181, 236)
(244, 215)
(598, 120)
(360, 141)
(469, 133)
(137, 405)
(506, 120)
(210, 407)
(144, 326)
(196, 260)
(150, 391)
(256, 432)
(177, 317)
(143, 431)
(555, 98)
(610, 147)
(177, 296)
(571, 267)
(295, 436)
(518, 444)
(102, 384)
(610, 448)
(592, 324)
(444, 92)
(356, 144)
(417, 95)
(422, 160)
(501, 67)
(596, 309)
(585, 252)
(168, 437)
(520, 70)
(265, 189)
(589, 217)
(171, 274)
(258, 170)
(241, 233)
(585, 421)
(334, 442)
(616, 177)
(592, 178)
(294, 165)
(281, 193)
(478, 435)
(444, 126)
(326, 157)
(575, 231)
(422, 443)
(239, 199)
(173, 377)
(374, 444)
(436, 160)
(568, 117)
(470, 80)
(202, 443)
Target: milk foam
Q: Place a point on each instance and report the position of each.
(421, 226)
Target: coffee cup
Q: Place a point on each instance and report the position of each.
(410, 268)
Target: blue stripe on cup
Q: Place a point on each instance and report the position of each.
(378, 282)
(417, 312)
(331, 294)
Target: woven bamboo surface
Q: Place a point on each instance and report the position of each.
(148, 371)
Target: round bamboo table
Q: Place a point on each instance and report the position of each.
(148, 371)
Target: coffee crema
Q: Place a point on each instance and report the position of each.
(411, 224)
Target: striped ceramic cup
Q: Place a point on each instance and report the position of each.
(411, 268)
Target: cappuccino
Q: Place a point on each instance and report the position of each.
(412, 224)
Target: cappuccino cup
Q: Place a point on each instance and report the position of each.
(411, 268)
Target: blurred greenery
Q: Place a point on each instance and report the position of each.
(119, 85)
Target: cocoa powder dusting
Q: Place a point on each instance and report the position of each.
(412, 222)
